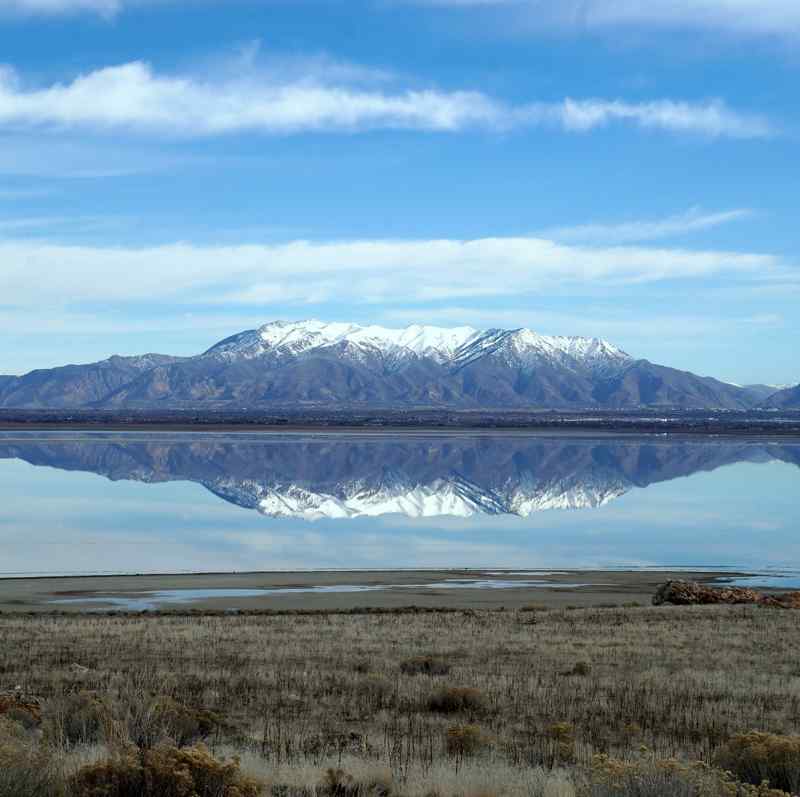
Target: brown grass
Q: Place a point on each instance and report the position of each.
(298, 695)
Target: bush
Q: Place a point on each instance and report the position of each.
(424, 665)
(182, 724)
(25, 771)
(465, 740)
(563, 734)
(338, 783)
(163, 719)
(29, 777)
(667, 778)
(78, 718)
(756, 757)
(164, 772)
(581, 668)
(454, 699)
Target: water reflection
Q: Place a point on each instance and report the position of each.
(383, 501)
(350, 477)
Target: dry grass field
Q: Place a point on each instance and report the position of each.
(558, 702)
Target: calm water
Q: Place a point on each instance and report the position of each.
(130, 502)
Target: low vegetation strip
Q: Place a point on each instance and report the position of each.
(690, 593)
(636, 702)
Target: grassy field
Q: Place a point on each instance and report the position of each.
(542, 702)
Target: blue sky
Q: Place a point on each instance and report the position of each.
(174, 172)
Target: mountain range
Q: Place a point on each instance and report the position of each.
(313, 363)
(348, 477)
(786, 399)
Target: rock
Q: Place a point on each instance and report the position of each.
(690, 593)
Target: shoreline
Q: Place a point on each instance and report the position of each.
(412, 420)
(575, 431)
(345, 590)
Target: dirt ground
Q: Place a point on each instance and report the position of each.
(343, 590)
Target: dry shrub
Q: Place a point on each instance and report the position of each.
(78, 718)
(465, 740)
(563, 734)
(150, 723)
(581, 668)
(424, 665)
(455, 699)
(25, 770)
(756, 757)
(164, 772)
(184, 725)
(667, 778)
(339, 783)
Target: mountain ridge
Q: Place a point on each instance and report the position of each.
(786, 399)
(315, 363)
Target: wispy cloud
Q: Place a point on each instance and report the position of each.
(779, 17)
(693, 220)
(54, 7)
(138, 99)
(712, 118)
(364, 271)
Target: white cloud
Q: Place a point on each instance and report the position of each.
(680, 224)
(712, 118)
(136, 98)
(779, 17)
(103, 7)
(370, 271)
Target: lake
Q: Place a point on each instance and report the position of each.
(88, 503)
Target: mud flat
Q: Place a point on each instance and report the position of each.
(343, 590)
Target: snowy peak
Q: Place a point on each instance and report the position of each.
(424, 341)
(442, 498)
(524, 347)
(457, 346)
(291, 338)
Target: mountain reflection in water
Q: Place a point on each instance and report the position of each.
(342, 476)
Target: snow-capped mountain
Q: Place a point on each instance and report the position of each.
(343, 365)
(291, 338)
(456, 347)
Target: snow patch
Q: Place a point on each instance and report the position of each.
(456, 346)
